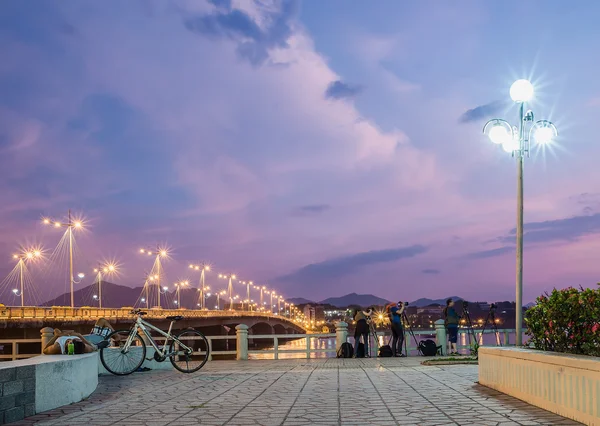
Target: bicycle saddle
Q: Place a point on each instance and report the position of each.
(138, 312)
(175, 318)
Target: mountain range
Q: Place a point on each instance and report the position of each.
(365, 300)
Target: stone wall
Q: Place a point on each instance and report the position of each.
(568, 385)
(45, 382)
(17, 393)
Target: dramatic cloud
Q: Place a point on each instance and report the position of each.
(431, 271)
(314, 208)
(340, 90)
(254, 40)
(347, 265)
(481, 112)
(490, 253)
(569, 229)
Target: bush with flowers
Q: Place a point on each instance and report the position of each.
(567, 321)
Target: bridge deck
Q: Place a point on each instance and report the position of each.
(302, 392)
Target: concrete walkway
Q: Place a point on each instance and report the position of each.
(392, 391)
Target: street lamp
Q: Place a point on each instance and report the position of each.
(517, 141)
(26, 256)
(247, 284)
(107, 269)
(219, 294)
(202, 268)
(159, 253)
(230, 278)
(178, 291)
(70, 225)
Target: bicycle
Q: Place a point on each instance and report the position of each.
(126, 351)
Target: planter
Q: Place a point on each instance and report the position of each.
(568, 385)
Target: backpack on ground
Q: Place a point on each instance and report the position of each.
(385, 351)
(345, 351)
(428, 348)
(360, 350)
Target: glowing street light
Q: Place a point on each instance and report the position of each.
(71, 224)
(178, 291)
(517, 141)
(247, 284)
(219, 294)
(159, 253)
(106, 269)
(230, 278)
(202, 268)
(25, 256)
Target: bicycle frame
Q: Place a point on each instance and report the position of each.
(144, 326)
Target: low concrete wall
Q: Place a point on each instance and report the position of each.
(46, 382)
(153, 365)
(568, 385)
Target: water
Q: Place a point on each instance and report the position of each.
(489, 339)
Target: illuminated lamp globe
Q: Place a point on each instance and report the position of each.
(499, 135)
(81, 275)
(521, 91)
(510, 146)
(544, 135)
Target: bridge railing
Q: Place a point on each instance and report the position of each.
(86, 312)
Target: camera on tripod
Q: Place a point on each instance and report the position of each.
(493, 307)
(465, 304)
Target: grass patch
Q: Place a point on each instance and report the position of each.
(196, 406)
(451, 360)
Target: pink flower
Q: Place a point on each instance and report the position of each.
(595, 328)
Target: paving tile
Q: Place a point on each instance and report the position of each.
(301, 392)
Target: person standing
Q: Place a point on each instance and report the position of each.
(361, 330)
(451, 320)
(395, 313)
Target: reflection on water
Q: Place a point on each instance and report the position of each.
(464, 340)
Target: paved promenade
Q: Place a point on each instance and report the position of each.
(301, 392)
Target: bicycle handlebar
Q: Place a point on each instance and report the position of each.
(138, 312)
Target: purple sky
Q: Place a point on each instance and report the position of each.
(319, 148)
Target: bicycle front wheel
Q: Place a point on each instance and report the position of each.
(189, 351)
(119, 360)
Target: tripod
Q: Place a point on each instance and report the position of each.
(410, 332)
(470, 330)
(373, 333)
(491, 317)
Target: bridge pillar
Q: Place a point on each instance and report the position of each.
(242, 342)
(47, 335)
(341, 334)
(440, 336)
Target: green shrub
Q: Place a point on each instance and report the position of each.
(566, 321)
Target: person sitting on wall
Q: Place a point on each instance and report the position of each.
(59, 344)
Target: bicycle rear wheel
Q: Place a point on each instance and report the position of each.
(189, 361)
(121, 363)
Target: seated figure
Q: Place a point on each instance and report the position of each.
(90, 342)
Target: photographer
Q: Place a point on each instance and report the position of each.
(362, 330)
(395, 313)
(451, 320)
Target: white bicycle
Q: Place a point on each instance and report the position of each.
(126, 352)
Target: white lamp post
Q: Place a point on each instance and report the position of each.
(517, 141)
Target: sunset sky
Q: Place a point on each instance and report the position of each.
(317, 147)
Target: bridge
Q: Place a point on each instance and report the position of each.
(218, 322)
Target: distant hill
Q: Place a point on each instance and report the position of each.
(426, 302)
(117, 296)
(300, 301)
(363, 300)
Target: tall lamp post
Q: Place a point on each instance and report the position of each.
(178, 291)
(26, 256)
(107, 269)
(219, 294)
(71, 224)
(159, 253)
(230, 278)
(202, 268)
(517, 141)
